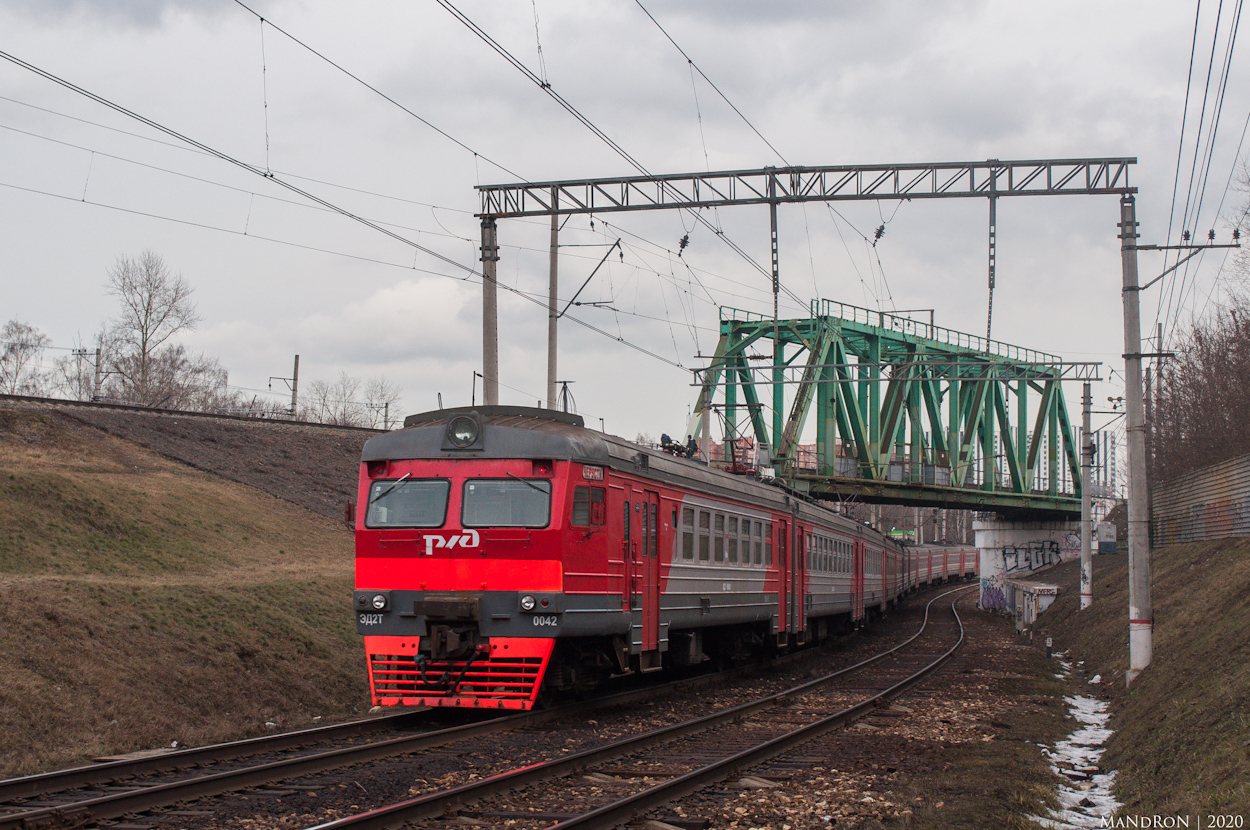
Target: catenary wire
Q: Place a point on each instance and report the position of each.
(524, 295)
(1189, 187)
(725, 98)
(230, 159)
(378, 92)
(590, 125)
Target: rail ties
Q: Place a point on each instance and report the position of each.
(109, 790)
(690, 755)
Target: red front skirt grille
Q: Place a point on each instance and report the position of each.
(508, 679)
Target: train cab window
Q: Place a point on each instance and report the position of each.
(506, 502)
(718, 537)
(408, 502)
(589, 507)
(687, 533)
(705, 519)
(625, 522)
(768, 544)
(757, 541)
(732, 541)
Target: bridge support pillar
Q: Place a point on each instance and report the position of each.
(1013, 549)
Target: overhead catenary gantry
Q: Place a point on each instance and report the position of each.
(774, 186)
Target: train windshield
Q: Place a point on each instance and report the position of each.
(512, 502)
(408, 502)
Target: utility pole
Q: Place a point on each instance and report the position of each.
(779, 358)
(95, 387)
(989, 313)
(552, 317)
(490, 312)
(1140, 610)
(1087, 522)
(295, 388)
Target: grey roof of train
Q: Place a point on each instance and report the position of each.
(525, 432)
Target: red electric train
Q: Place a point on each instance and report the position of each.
(503, 551)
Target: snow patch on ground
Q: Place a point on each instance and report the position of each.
(1087, 799)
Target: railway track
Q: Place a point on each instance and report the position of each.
(615, 781)
(85, 795)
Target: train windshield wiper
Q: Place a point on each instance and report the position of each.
(389, 489)
(527, 482)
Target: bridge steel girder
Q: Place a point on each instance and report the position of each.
(939, 434)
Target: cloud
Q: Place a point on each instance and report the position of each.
(144, 14)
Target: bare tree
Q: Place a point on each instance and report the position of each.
(1200, 417)
(73, 375)
(334, 403)
(343, 403)
(380, 398)
(21, 348)
(1199, 404)
(156, 305)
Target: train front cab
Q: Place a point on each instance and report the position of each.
(455, 571)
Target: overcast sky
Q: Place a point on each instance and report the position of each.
(825, 83)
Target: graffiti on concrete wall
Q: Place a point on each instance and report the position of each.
(1009, 560)
(1034, 556)
(992, 594)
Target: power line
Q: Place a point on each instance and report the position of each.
(303, 205)
(222, 185)
(228, 158)
(524, 295)
(378, 92)
(590, 125)
(725, 98)
(1198, 182)
(1193, 168)
(338, 185)
(299, 191)
(219, 229)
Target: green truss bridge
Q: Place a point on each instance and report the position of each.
(906, 412)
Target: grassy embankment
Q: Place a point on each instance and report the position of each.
(142, 602)
(1182, 731)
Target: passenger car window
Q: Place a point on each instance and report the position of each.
(506, 502)
(705, 519)
(407, 502)
(687, 533)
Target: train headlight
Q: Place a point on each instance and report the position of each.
(462, 431)
(378, 601)
(527, 603)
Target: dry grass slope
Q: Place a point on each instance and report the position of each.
(1182, 741)
(142, 602)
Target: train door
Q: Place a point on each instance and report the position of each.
(798, 581)
(650, 570)
(857, 580)
(631, 598)
(783, 572)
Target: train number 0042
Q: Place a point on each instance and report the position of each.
(546, 620)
